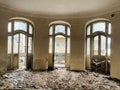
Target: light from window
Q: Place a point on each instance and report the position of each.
(96, 45)
(22, 43)
(103, 45)
(109, 46)
(16, 42)
(29, 44)
(99, 26)
(88, 46)
(19, 25)
(50, 45)
(109, 28)
(61, 41)
(68, 31)
(60, 29)
(9, 27)
(68, 45)
(88, 30)
(51, 30)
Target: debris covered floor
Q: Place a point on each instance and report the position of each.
(61, 79)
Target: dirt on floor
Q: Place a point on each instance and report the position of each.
(58, 79)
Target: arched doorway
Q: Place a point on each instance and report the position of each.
(19, 49)
(20, 46)
(60, 51)
(59, 45)
(98, 46)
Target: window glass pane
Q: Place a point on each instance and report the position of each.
(68, 45)
(50, 45)
(16, 41)
(60, 29)
(109, 46)
(88, 46)
(30, 29)
(68, 31)
(9, 44)
(51, 30)
(99, 26)
(103, 45)
(19, 25)
(22, 43)
(109, 28)
(29, 44)
(96, 45)
(9, 27)
(88, 30)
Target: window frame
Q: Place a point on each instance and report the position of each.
(59, 33)
(99, 33)
(14, 32)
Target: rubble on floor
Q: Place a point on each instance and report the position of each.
(58, 79)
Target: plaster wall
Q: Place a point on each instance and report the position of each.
(41, 41)
(115, 55)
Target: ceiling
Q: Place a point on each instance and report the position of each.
(70, 8)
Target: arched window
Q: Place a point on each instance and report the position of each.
(59, 41)
(98, 41)
(20, 38)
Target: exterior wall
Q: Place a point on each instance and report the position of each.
(41, 42)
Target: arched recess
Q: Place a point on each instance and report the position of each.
(20, 43)
(98, 45)
(59, 34)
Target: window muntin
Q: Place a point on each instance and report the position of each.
(30, 29)
(15, 43)
(20, 25)
(60, 29)
(99, 26)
